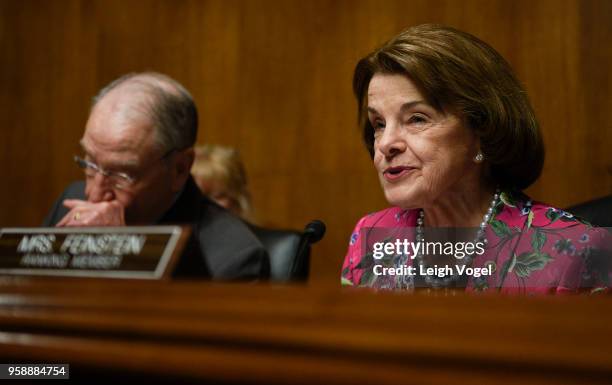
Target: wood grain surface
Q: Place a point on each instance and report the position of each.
(257, 333)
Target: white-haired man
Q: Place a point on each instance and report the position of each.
(137, 156)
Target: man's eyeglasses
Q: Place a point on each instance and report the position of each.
(119, 180)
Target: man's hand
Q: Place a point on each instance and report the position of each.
(83, 213)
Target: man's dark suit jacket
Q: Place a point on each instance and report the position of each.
(221, 247)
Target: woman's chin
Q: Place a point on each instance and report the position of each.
(404, 201)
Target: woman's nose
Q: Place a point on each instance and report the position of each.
(391, 142)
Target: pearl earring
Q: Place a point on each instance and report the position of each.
(479, 157)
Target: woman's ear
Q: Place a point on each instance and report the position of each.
(478, 156)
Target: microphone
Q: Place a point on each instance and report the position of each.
(314, 231)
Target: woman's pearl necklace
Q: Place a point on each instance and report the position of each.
(480, 237)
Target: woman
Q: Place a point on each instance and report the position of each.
(220, 174)
(454, 140)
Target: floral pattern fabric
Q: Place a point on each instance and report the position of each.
(535, 248)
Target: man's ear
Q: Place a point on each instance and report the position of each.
(183, 160)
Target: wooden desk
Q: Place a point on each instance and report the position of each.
(178, 332)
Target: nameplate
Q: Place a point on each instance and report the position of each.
(145, 252)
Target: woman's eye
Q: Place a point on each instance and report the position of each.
(378, 125)
(417, 119)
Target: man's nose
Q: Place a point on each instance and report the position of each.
(391, 142)
(98, 189)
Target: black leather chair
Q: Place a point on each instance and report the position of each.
(289, 250)
(598, 211)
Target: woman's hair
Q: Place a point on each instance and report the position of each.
(221, 166)
(458, 73)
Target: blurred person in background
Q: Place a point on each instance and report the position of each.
(220, 174)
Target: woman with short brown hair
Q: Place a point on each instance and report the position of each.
(454, 140)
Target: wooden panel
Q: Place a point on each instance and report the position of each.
(273, 79)
(300, 335)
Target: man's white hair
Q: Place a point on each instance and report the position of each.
(166, 102)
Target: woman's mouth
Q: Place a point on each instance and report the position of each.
(394, 173)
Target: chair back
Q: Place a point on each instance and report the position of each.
(289, 258)
(598, 211)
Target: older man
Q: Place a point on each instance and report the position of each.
(137, 155)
